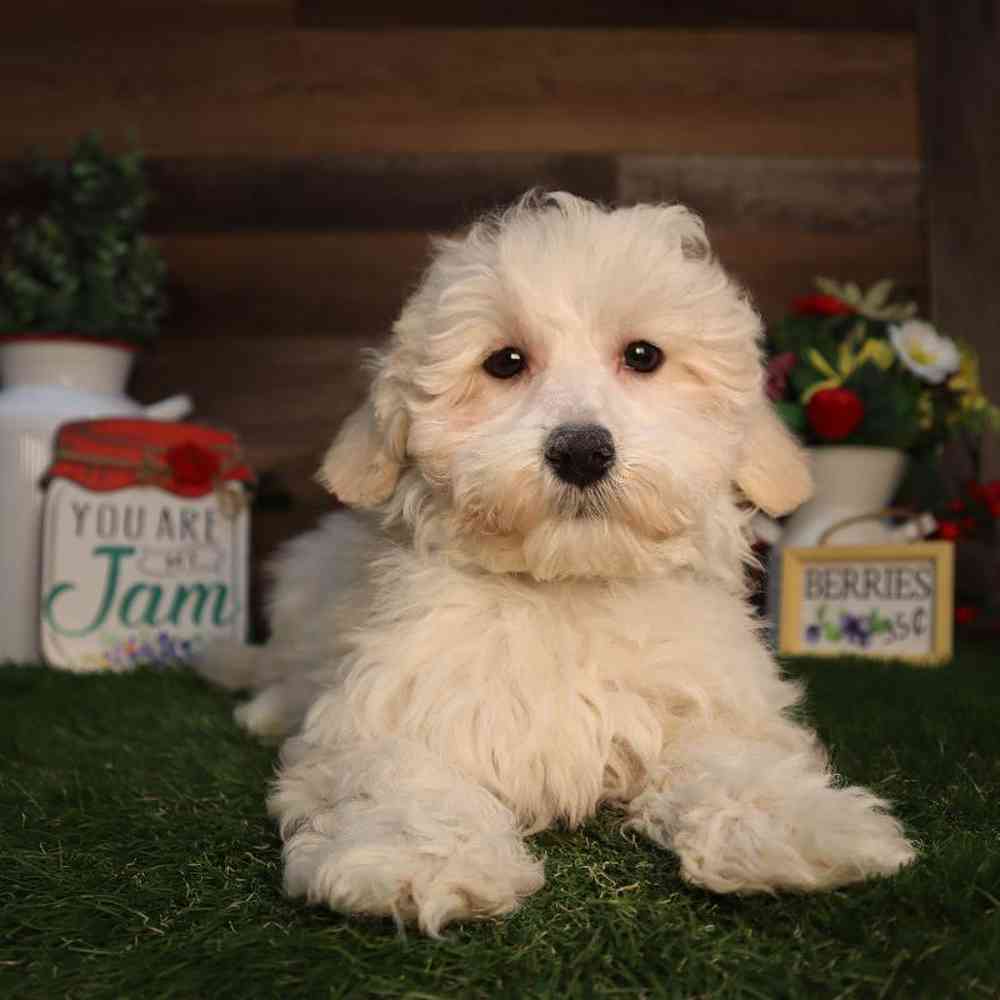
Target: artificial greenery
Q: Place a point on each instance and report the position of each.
(855, 367)
(139, 862)
(81, 265)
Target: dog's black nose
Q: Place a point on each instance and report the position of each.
(580, 454)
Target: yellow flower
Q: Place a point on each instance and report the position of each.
(879, 352)
(966, 379)
(974, 401)
(925, 411)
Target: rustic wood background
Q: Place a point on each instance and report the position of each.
(302, 157)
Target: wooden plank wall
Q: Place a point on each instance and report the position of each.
(960, 86)
(303, 155)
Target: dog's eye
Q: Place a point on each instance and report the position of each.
(505, 363)
(642, 356)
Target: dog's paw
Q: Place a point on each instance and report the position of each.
(278, 710)
(822, 838)
(425, 883)
(265, 716)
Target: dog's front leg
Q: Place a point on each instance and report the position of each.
(388, 829)
(755, 814)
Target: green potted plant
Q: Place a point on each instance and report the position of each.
(867, 385)
(81, 267)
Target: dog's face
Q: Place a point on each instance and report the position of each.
(571, 391)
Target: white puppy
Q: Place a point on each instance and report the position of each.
(545, 610)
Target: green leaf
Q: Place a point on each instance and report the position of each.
(890, 419)
(793, 415)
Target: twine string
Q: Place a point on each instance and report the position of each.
(875, 515)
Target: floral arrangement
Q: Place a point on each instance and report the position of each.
(848, 366)
(81, 265)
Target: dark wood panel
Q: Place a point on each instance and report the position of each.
(437, 191)
(405, 191)
(306, 93)
(815, 195)
(886, 15)
(271, 284)
(57, 17)
(49, 19)
(778, 263)
(960, 46)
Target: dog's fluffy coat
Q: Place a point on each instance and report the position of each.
(483, 650)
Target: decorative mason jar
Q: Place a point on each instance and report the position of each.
(146, 544)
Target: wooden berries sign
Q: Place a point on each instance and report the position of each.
(886, 601)
(145, 544)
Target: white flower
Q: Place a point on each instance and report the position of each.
(924, 351)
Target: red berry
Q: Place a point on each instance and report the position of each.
(834, 413)
(948, 530)
(966, 614)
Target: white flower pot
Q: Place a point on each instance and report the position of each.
(849, 481)
(48, 381)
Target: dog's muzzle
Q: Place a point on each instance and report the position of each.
(580, 454)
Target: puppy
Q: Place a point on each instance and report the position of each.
(538, 607)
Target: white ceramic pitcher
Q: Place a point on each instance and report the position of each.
(48, 381)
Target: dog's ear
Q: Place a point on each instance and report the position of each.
(774, 469)
(363, 464)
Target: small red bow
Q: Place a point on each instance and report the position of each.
(192, 465)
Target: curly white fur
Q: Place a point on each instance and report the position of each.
(491, 650)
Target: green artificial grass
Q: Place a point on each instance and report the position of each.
(138, 861)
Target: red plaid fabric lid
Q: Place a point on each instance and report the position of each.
(188, 460)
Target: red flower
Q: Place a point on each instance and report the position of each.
(949, 530)
(821, 305)
(965, 614)
(192, 465)
(834, 413)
